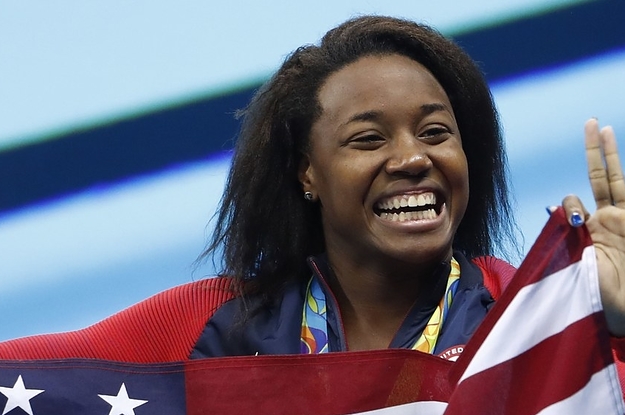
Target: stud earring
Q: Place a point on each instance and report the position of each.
(308, 196)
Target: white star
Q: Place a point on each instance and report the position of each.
(122, 404)
(19, 396)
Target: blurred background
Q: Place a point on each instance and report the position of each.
(116, 124)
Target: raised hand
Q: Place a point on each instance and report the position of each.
(607, 223)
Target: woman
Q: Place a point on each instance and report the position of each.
(368, 182)
(362, 150)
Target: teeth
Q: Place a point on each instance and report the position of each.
(408, 216)
(422, 199)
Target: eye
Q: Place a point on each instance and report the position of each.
(369, 138)
(366, 141)
(436, 133)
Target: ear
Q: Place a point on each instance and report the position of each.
(306, 175)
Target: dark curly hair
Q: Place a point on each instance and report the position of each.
(265, 229)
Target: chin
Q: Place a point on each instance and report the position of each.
(422, 255)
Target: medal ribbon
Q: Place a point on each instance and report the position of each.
(314, 335)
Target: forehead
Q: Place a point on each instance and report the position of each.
(377, 80)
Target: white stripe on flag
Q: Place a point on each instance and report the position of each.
(576, 287)
(594, 398)
(414, 408)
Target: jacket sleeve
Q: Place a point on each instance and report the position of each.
(162, 328)
(496, 272)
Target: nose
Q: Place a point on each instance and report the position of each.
(408, 156)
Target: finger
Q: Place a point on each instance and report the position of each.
(596, 169)
(613, 167)
(574, 210)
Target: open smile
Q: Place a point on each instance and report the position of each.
(403, 208)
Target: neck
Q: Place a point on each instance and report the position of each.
(374, 301)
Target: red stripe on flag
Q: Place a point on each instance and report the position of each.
(333, 383)
(517, 386)
(558, 246)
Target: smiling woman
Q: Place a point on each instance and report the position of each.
(365, 202)
(388, 132)
(383, 113)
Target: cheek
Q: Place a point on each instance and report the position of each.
(351, 173)
(345, 187)
(341, 183)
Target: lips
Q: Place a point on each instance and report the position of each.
(410, 207)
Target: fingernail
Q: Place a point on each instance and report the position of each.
(576, 220)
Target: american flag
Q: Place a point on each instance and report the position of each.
(543, 349)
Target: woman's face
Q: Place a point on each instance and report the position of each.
(386, 163)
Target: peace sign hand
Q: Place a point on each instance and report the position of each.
(607, 224)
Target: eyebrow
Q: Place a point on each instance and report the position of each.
(426, 109)
(364, 116)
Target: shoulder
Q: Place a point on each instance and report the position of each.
(496, 272)
(161, 328)
(253, 325)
